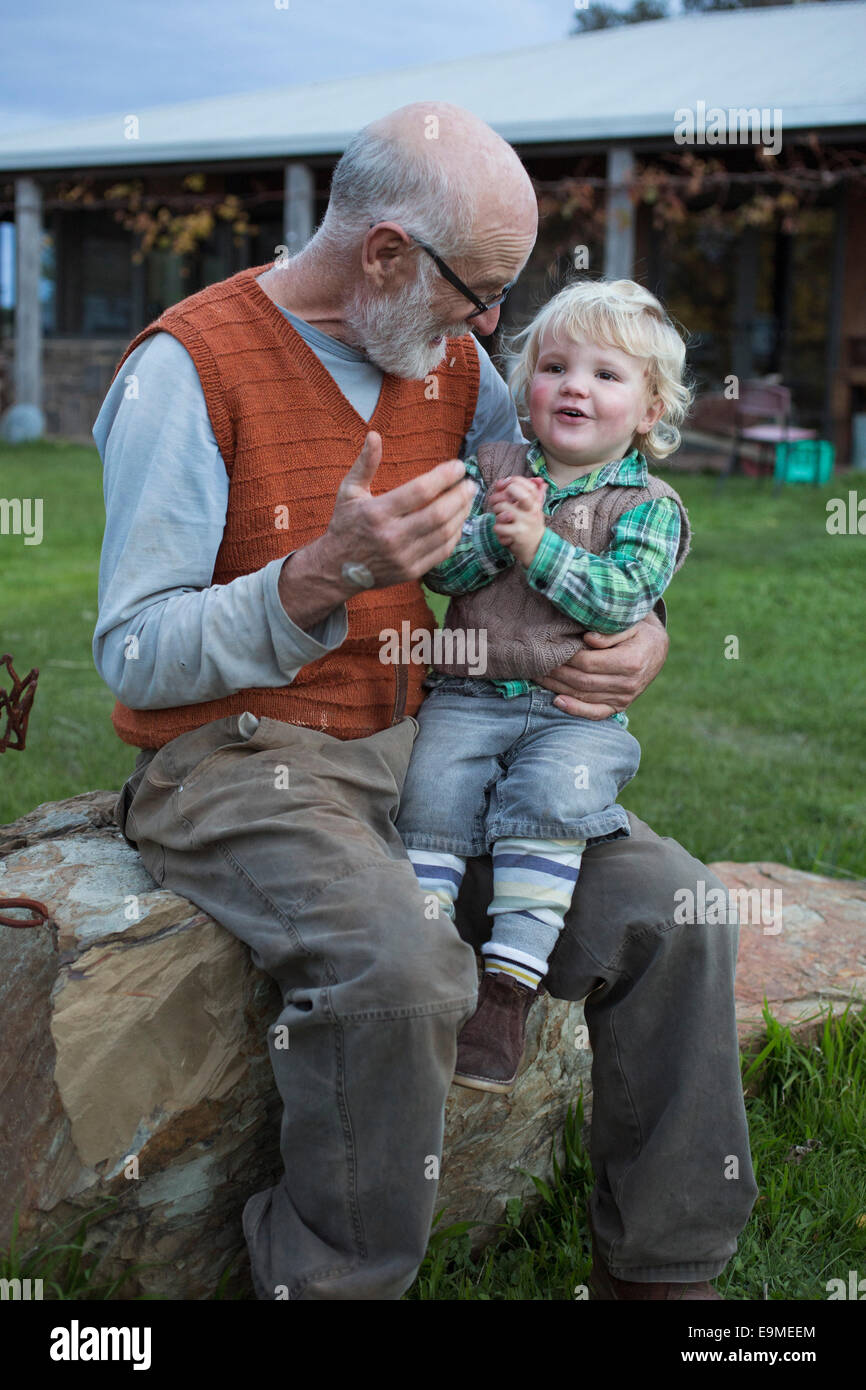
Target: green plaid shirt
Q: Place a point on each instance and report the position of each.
(605, 593)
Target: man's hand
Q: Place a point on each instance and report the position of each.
(400, 534)
(518, 505)
(397, 536)
(611, 672)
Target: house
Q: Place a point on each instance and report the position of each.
(718, 158)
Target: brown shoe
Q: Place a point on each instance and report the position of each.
(603, 1285)
(491, 1043)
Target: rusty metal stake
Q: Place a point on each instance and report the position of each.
(39, 909)
(17, 705)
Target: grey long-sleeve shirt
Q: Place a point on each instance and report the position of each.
(166, 635)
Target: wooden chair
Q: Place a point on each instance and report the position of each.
(762, 416)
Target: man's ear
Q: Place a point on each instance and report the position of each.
(386, 255)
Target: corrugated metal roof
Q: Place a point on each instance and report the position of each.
(805, 60)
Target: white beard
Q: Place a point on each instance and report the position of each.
(395, 331)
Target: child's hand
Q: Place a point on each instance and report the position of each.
(518, 505)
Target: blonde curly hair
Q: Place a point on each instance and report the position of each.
(620, 314)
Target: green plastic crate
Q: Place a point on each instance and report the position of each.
(805, 461)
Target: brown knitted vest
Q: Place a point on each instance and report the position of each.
(288, 436)
(526, 634)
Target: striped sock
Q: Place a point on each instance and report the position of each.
(533, 885)
(439, 877)
(506, 960)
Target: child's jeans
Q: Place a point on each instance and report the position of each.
(485, 767)
(526, 780)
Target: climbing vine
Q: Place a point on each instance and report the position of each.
(755, 187)
(682, 185)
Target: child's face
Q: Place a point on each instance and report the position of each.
(609, 389)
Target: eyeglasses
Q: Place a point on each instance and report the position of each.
(458, 284)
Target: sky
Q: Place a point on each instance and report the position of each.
(60, 60)
(65, 61)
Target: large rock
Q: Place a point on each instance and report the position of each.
(135, 1068)
(802, 944)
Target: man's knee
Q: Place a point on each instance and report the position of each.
(389, 951)
(630, 888)
(640, 880)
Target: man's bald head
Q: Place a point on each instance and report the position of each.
(429, 175)
(437, 167)
(465, 151)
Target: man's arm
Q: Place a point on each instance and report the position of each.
(166, 635)
(611, 672)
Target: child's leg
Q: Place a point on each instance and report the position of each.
(533, 884)
(439, 876)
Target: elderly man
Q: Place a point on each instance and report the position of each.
(284, 471)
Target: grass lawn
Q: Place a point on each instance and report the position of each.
(758, 757)
(807, 1227)
(761, 756)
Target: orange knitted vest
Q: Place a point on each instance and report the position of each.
(288, 436)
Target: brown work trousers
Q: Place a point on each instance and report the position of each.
(285, 835)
